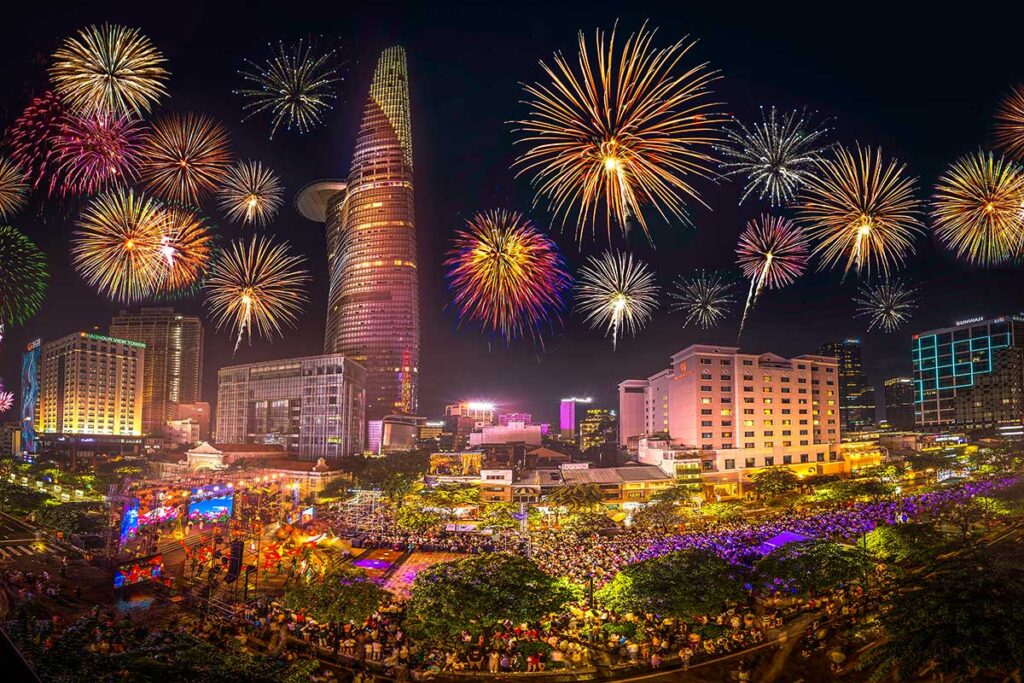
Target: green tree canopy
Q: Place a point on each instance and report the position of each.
(20, 500)
(682, 584)
(343, 594)
(658, 516)
(775, 481)
(476, 593)
(900, 543)
(576, 497)
(962, 616)
(810, 566)
(73, 518)
(723, 512)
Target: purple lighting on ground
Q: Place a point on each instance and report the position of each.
(372, 564)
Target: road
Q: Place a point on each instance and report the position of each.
(18, 540)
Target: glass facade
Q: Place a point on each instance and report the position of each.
(970, 376)
(856, 394)
(314, 406)
(373, 307)
(174, 361)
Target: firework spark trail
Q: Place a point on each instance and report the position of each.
(615, 291)
(30, 139)
(185, 157)
(1010, 123)
(23, 278)
(507, 275)
(705, 298)
(116, 247)
(624, 130)
(888, 304)
(296, 86)
(256, 286)
(775, 155)
(251, 193)
(977, 209)
(108, 70)
(860, 210)
(772, 252)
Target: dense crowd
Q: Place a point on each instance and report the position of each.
(390, 536)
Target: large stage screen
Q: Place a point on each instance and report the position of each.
(209, 504)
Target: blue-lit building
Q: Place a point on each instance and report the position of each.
(970, 376)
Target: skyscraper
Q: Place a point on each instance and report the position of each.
(899, 402)
(174, 361)
(856, 395)
(312, 406)
(567, 417)
(971, 375)
(373, 301)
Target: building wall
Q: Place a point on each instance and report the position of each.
(856, 394)
(373, 309)
(90, 385)
(899, 402)
(174, 361)
(313, 406)
(632, 422)
(970, 376)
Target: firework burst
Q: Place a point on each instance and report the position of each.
(30, 138)
(888, 304)
(860, 211)
(1010, 122)
(772, 252)
(97, 151)
(117, 246)
(256, 285)
(251, 193)
(705, 298)
(616, 292)
(976, 209)
(6, 399)
(13, 188)
(23, 277)
(507, 275)
(625, 129)
(296, 86)
(185, 248)
(775, 155)
(109, 70)
(185, 157)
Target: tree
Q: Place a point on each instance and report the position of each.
(576, 497)
(682, 584)
(961, 617)
(660, 516)
(851, 489)
(929, 463)
(504, 516)
(775, 481)
(20, 500)
(73, 518)
(684, 494)
(964, 516)
(723, 512)
(343, 594)
(810, 567)
(475, 593)
(415, 517)
(904, 543)
(590, 522)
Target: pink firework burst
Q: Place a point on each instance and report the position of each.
(97, 151)
(6, 399)
(772, 252)
(30, 139)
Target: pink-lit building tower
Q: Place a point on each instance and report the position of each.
(373, 304)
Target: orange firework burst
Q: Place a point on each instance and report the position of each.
(860, 211)
(1010, 122)
(13, 188)
(185, 157)
(977, 209)
(624, 130)
(256, 285)
(185, 246)
(117, 245)
(109, 70)
(507, 275)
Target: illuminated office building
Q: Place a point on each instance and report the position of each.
(856, 395)
(568, 416)
(173, 369)
(632, 394)
(970, 376)
(373, 301)
(90, 386)
(599, 427)
(899, 403)
(311, 406)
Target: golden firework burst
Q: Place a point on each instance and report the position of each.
(251, 193)
(13, 188)
(185, 248)
(625, 129)
(185, 157)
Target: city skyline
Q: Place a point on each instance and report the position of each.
(462, 363)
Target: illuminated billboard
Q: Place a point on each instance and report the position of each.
(30, 395)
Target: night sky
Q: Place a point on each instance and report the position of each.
(920, 84)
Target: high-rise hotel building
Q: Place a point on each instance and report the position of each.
(312, 406)
(173, 369)
(373, 304)
(856, 394)
(741, 412)
(90, 385)
(970, 376)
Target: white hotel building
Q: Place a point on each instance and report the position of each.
(740, 412)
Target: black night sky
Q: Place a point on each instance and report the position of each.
(921, 83)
